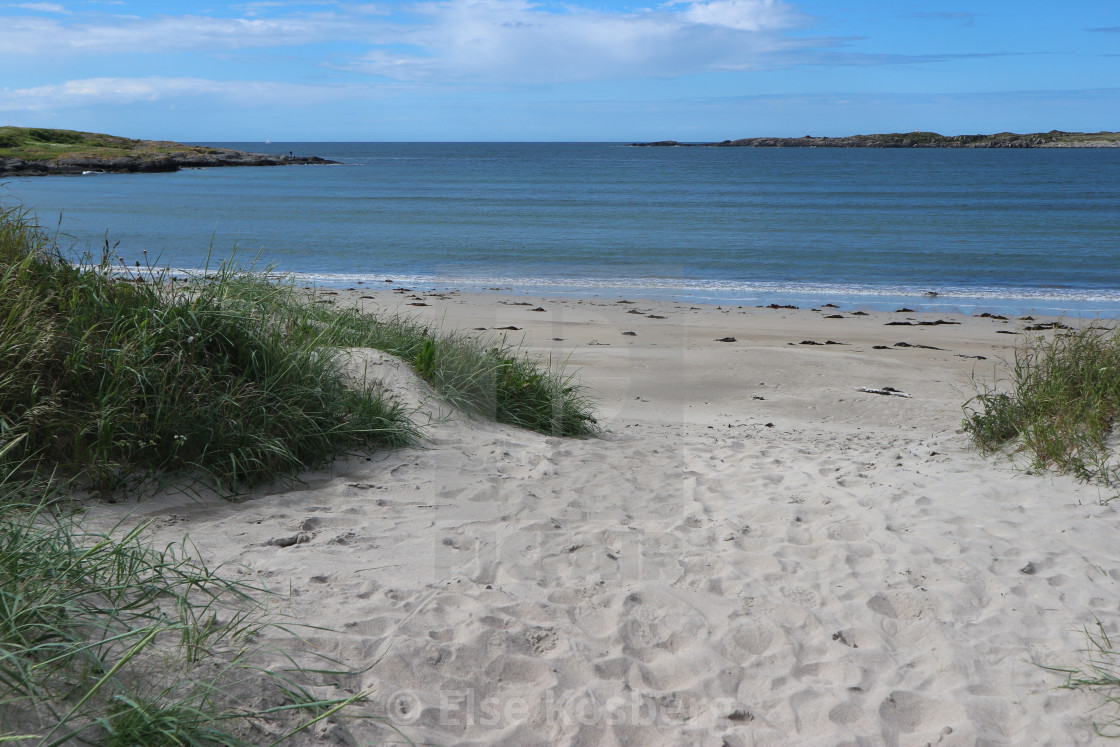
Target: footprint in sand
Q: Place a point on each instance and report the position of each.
(849, 531)
(845, 713)
(901, 710)
(746, 640)
(901, 606)
(800, 595)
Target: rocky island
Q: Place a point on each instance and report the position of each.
(1052, 139)
(30, 151)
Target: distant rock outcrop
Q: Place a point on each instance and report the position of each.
(1052, 139)
(149, 163)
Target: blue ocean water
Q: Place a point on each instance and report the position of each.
(997, 230)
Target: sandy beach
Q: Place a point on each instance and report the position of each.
(755, 552)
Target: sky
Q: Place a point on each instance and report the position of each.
(585, 70)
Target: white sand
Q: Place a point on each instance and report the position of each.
(754, 553)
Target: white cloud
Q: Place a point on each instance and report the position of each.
(256, 8)
(369, 9)
(42, 7)
(744, 15)
(493, 41)
(29, 35)
(124, 91)
(514, 40)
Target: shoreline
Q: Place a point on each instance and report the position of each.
(1042, 303)
(1087, 305)
(587, 332)
(755, 551)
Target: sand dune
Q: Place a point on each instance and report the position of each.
(753, 553)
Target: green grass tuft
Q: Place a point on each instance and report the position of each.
(1060, 404)
(106, 641)
(1099, 675)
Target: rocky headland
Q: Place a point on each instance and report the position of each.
(39, 152)
(1052, 139)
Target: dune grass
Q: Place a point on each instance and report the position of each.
(117, 383)
(1099, 675)
(489, 378)
(1060, 404)
(106, 641)
(115, 379)
(486, 377)
(110, 384)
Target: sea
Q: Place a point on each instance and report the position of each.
(999, 231)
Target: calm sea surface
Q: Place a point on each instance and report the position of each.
(998, 230)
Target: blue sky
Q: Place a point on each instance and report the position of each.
(587, 70)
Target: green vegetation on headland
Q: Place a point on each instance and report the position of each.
(1052, 139)
(31, 151)
(115, 381)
